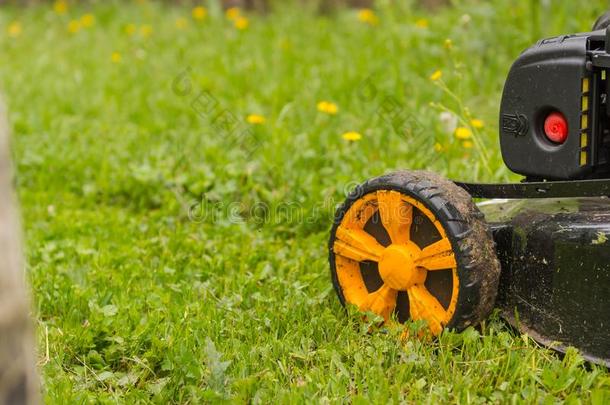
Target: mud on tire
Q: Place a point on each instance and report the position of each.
(440, 211)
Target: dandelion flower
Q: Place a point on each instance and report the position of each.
(449, 122)
(436, 76)
(146, 31)
(352, 136)
(463, 133)
(368, 16)
(255, 119)
(14, 29)
(232, 13)
(130, 29)
(476, 123)
(438, 147)
(467, 144)
(116, 57)
(74, 26)
(60, 6)
(422, 23)
(199, 13)
(328, 107)
(87, 20)
(448, 44)
(241, 23)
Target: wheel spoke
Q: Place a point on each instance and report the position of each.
(396, 215)
(381, 302)
(424, 306)
(437, 256)
(357, 245)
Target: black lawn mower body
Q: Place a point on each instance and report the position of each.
(557, 76)
(555, 278)
(555, 252)
(539, 249)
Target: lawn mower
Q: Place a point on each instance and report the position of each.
(411, 245)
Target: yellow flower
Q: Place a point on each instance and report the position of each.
(232, 13)
(14, 29)
(60, 6)
(145, 30)
(436, 75)
(116, 57)
(328, 107)
(422, 23)
(181, 23)
(199, 13)
(352, 136)
(241, 23)
(438, 147)
(130, 29)
(368, 16)
(448, 44)
(467, 144)
(87, 20)
(255, 119)
(463, 133)
(74, 26)
(476, 123)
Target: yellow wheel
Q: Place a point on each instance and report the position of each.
(413, 245)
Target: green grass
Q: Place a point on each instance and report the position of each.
(142, 296)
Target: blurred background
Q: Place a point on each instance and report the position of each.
(178, 165)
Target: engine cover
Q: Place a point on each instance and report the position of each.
(555, 76)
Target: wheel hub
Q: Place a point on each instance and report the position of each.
(397, 266)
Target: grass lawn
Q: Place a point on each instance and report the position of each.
(177, 248)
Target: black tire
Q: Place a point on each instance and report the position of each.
(478, 268)
(602, 22)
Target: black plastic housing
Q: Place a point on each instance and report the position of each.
(555, 280)
(549, 77)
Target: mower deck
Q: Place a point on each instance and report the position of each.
(539, 189)
(555, 277)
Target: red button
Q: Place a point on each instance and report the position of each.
(556, 127)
